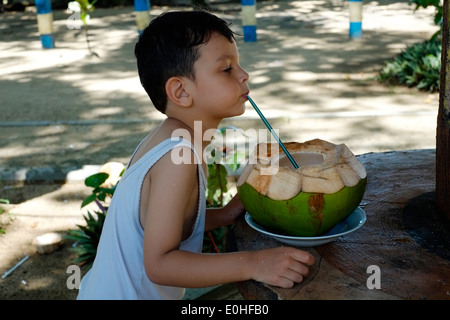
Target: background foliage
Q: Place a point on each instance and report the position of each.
(419, 65)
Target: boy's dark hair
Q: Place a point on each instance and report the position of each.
(168, 47)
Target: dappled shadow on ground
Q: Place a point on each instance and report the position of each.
(67, 108)
(41, 277)
(20, 191)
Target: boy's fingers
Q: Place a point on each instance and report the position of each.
(302, 256)
(301, 268)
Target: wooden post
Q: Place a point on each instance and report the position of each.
(45, 23)
(355, 13)
(443, 123)
(142, 8)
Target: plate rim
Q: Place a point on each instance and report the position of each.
(261, 229)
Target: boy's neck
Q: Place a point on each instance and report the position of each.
(198, 129)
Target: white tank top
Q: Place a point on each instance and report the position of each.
(118, 270)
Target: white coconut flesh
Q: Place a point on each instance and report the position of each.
(324, 167)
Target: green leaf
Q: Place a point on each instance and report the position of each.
(96, 180)
(418, 66)
(88, 200)
(217, 184)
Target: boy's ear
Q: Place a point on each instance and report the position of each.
(177, 91)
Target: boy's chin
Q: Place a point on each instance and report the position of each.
(242, 111)
(238, 111)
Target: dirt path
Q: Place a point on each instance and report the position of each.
(63, 111)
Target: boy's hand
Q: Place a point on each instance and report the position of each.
(225, 216)
(283, 266)
(234, 208)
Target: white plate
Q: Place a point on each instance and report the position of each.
(353, 222)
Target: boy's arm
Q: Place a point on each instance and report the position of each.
(225, 216)
(172, 187)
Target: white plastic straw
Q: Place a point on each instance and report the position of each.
(7, 273)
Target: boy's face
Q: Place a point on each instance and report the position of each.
(220, 82)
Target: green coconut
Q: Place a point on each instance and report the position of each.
(328, 185)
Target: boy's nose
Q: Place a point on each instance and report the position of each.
(245, 76)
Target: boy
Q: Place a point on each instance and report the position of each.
(151, 242)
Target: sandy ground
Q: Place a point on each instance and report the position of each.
(64, 113)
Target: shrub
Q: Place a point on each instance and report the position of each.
(418, 66)
(87, 237)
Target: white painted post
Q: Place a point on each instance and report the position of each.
(45, 23)
(142, 8)
(249, 20)
(355, 7)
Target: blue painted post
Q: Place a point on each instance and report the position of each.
(355, 7)
(45, 23)
(249, 20)
(142, 8)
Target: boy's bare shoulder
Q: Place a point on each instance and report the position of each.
(167, 130)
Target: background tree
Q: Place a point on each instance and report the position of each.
(443, 123)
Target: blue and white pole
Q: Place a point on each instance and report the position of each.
(249, 20)
(142, 8)
(355, 7)
(45, 23)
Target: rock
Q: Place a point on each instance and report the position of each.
(48, 242)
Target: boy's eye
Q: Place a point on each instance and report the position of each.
(228, 69)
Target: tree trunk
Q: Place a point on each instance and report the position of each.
(443, 123)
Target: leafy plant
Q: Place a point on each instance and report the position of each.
(99, 192)
(216, 196)
(418, 66)
(438, 4)
(84, 7)
(223, 162)
(87, 237)
(217, 186)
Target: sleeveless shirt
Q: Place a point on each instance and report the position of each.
(118, 270)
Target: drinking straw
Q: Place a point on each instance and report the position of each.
(273, 132)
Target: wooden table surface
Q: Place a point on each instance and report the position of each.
(403, 236)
